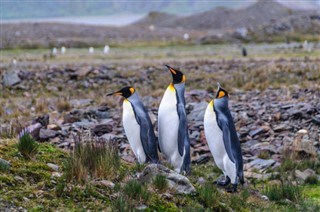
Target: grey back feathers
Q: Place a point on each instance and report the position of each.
(147, 135)
(230, 137)
(183, 136)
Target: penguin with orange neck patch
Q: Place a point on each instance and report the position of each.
(223, 140)
(137, 126)
(173, 136)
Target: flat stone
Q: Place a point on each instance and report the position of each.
(107, 136)
(83, 71)
(305, 174)
(176, 181)
(257, 131)
(81, 102)
(18, 178)
(45, 134)
(54, 167)
(5, 162)
(105, 183)
(11, 78)
(128, 158)
(54, 127)
(101, 129)
(204, 158)
(259, 164)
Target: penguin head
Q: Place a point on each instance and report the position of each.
(221, 92)
(221, 100)
(177, 76)
(126, 92)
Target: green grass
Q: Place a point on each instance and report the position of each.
(27, 146)
(93, 160)
(294, 193)
(160, 182)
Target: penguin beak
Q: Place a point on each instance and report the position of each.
(117, 93)
(171, 70)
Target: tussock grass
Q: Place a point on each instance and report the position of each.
(210, 197)
(63, 105)
(92, 159)
(294, 193)
(131, 195)
(160, 182)
(27, 146)
(311, 180)
(135, 190)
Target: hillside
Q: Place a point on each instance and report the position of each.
(260, 13)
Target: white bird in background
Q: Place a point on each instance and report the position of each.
(14, 62)
(106, 49)
(54, 51)
(306, 46)
(91, 50)
(186, 36)
(63, 50)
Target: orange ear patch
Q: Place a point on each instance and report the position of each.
(183, 78)
(221, 94)
(131, 90)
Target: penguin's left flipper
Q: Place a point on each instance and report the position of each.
(227, 138)
(182, 128)
(147, 137)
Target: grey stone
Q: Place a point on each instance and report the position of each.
(257, 131)
(259, 164)
(45, 134)
(101, 129)
(105, 183)
(11, 78)
(175, 181)
(81, 102)
(197, 114)
(4, 163)
(54, 167)
(107, 136)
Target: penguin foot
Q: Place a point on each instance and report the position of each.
(232, 189)
(222, 182)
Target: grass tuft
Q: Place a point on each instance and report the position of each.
(93, 159)
(135, 190)
(160, 182)
(27, 146)
(311, 180)
(281, 192)
(210, 196)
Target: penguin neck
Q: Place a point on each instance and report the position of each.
(180, 89)
(134, 98)
(221, 104)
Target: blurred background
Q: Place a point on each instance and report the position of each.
(43, 24)
(59, 59)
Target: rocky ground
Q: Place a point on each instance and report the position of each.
(275, 105)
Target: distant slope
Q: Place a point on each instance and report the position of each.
(43, 9)
(260, 13)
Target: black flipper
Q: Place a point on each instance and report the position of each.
(147, 139)
(182, 128)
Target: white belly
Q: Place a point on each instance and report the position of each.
(216, 145)
(168, 125)
(132, 130)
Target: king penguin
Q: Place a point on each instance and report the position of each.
(173, 136)
(137, 126)
(223, 140)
